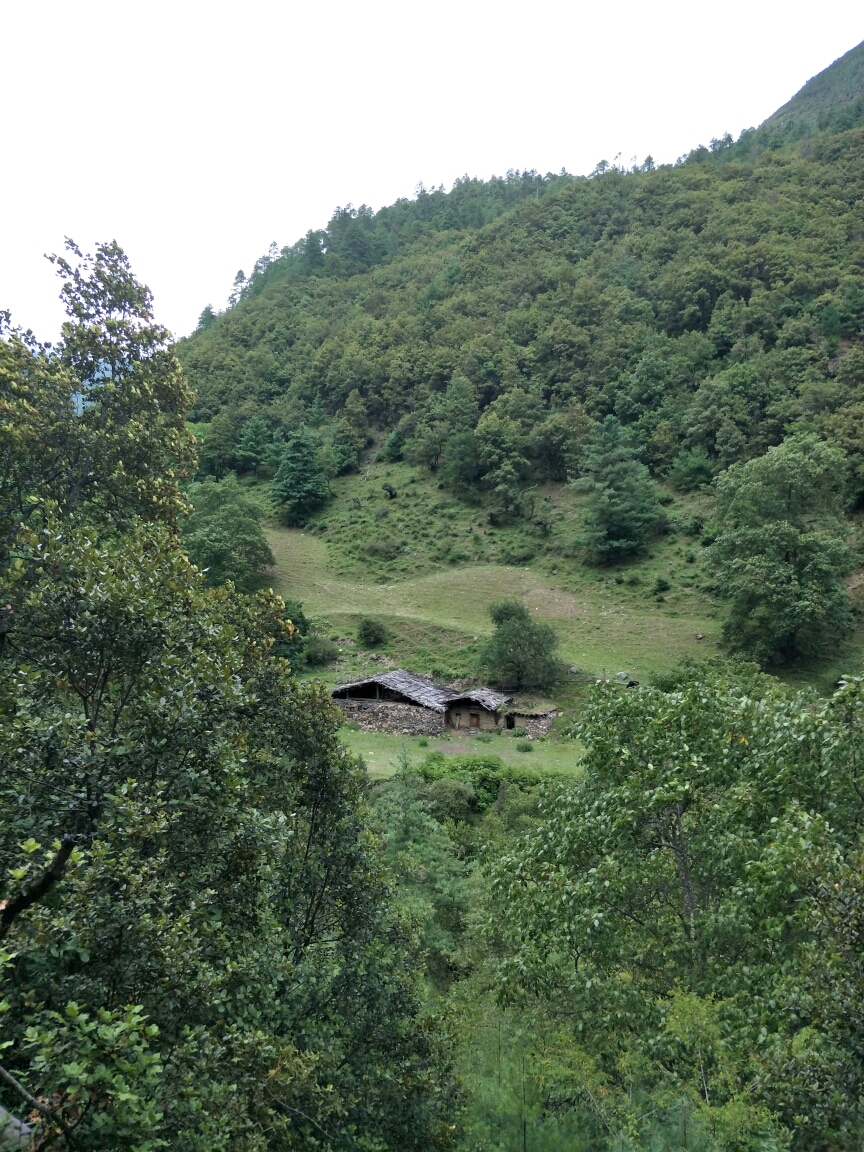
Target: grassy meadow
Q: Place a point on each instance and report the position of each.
(433, 591)
(382, 751)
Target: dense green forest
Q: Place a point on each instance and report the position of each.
(219, 929)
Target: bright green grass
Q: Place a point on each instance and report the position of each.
(601, 625)
(380, 751)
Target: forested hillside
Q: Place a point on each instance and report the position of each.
(709, 306)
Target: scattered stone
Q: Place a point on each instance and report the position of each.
(386, 715)
(699, 636)
(622, 676)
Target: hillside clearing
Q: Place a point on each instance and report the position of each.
(601, 627)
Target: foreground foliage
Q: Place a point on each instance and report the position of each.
(199, 947)
(677, 913)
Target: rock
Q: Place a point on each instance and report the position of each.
(699, 636)
(622, 676)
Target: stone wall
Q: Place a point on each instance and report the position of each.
(386, 716)
(412, 720)
(535, 725)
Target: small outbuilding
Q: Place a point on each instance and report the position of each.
(477, 708)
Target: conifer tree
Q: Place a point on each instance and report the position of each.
(622, 508)
(252, 448)
(299, 483)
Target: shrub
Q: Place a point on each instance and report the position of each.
(484, 738)
(383, 549)
(661, 584)
(518, 553)
(485, 774)
(423, 742)
(371, 632)
(524, 746)
(320, 651)
(452, 800)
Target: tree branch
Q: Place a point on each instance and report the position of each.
(45, 1109)
(40, 887)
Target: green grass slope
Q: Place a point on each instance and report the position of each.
(434, 591)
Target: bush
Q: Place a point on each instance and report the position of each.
(384, 549)
(485, 774)
(518, 553)
(452, 800)
(371, 632)
(524, 746)
(661, 584)
(320, 651)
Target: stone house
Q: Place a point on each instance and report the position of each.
(403, 701)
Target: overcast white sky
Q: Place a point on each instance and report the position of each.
(195, 133)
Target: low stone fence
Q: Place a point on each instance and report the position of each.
(386, 716)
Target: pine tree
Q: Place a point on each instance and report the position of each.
(252, 448)
(622, 509)
(299, 483)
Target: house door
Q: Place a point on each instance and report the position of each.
(475, 720)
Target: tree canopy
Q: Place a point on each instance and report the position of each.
(780, 552)
(520, 653)
(198, 946)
